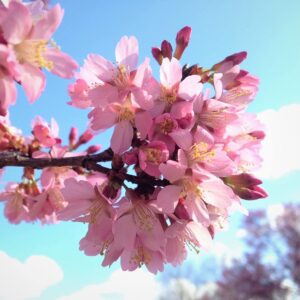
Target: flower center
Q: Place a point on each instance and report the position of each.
(153, 155)
(140, 257)
(121, 79)
(235, 93)
(168, 95)
(166, 126)
(200, 153)
(33, 51)
(143, 217)
(189, 186)
(125, 114)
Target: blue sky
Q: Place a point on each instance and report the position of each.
(268, 30)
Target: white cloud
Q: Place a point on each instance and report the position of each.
(281, 147)
(273, 212)
(223, 253)
(25, 280)
(121, 286)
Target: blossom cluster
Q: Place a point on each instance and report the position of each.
(182, 150)
(26, 47)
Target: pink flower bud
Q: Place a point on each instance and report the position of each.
(93, 149)
(156, 52)
(166, 49)
(86, 137)
(230, 61)
(182, 41)
(130, 158)
(73, 136)
(246, 186)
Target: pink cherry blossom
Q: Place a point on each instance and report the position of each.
(45, 134)
(29, 38)
(185, 233)
(55, 176)
(15, 209)
(171, 88)
(8, 71)
(151, 156)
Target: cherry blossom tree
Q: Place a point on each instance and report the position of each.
(181, 154)
(267, 268)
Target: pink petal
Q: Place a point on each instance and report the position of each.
(122, 137)
(180, 109)
(202, 135)
(170, 72)
(103, 94)
(168, 197)
(190, 87)
(143, 73)
(102, 118)
(218, 85)
(172, 170)
(182, 158)
(142, 98)
(127, 51)
(8, 94)
(63, 65)
(46, 26)
(183, 138)
(201, 234)
(143, 123)
(33, 81)
(216, 193)
(17, 24)
(47, 178)
(79, 195)
(102, 68)
(124, 230)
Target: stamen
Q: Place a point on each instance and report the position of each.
(235, 93)
(143, 217)
(121, 79)
(166, 126)
(33, 51)
(125, 114)
(199, 153)
(169, 96)
(140, 257)
(153, 155)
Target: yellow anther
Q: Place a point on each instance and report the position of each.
(33, 51)
(121, 79)
(236, 93)
(166, 126)
(143, 217)
(125, 114)
(96, 210)
(200, 152)
(140, 257)
(153, 155)
(167, 95)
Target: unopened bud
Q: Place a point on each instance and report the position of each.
(130, 158)
(230, 61)
(166, 49)
(156, 52)
(246, 186)
(182, 41)
(86, 137)
(73, 136)
(181, 211)
(93, 149)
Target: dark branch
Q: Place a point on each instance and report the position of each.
(89, 162)
(15, 159)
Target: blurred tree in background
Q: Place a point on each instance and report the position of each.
(268, 268)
